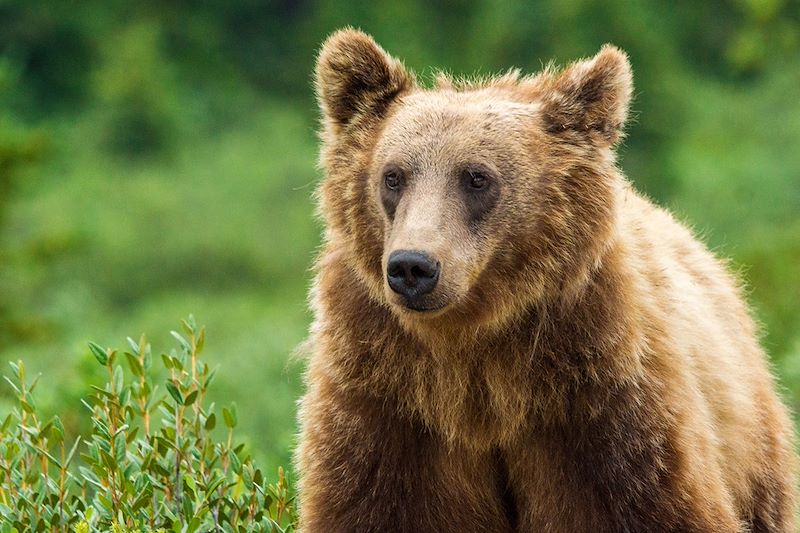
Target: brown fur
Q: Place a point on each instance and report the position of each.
(590, 365)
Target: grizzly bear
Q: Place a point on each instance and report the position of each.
(507, 336)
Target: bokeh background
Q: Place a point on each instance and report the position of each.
(158, 158)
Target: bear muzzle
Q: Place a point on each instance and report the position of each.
(413, 275)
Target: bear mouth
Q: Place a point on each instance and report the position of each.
(422, 307)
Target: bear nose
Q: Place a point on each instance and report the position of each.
(412, 274)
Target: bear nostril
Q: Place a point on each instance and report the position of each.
(395, 270)
(411, 273)
(418, 272)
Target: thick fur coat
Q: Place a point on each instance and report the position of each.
(583, 363)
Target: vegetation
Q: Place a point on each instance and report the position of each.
(151, 461)
(158, 159)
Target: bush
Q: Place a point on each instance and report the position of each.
(151, 462)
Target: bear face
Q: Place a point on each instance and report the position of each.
(470, 201)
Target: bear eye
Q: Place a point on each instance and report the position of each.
(476, 180)
(393, 179)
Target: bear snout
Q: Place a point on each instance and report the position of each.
(412, 274)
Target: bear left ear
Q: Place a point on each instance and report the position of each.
(355, 77)
(592, 95)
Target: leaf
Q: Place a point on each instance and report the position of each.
(189, 482)
(13, 385)
(236, 463)
(71, 453)
(147, 357)
(183, 342)
(99, 353)
(90, 476)
(28, 408)
(119, 448)
(58, 428)
(215, 485)
(211, 422)
(135, 347)
(174, 392)
(44, 433)
(7, 423)
(229, 418)
(210, 378)
(100, 391)
(118, 380)
(142, 500)
(132, 435)
(108, 460)
(50, 457)
(35, 382)
(201, 340)
(190, 398)
(135, 364)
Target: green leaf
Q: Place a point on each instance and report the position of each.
(142, 500)
(190, 398)
(13, 385)
(99, 353)
(35, 382)
(183, 342)
(58, 430)
(50, 457)
(28, 408)
(135, 364)
(72, 451)
(214, 485)
(201, 340)
(7, 423)
(44, 433)
(119, 448)
(90, 476)
(118, 380)
(135, 347)
(229, 417)
(174, 392)
(236, 463)
(147, 357)
(211, 422)
(210, 378)
(102, 392)
(132, 435)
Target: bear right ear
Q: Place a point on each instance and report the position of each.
(355, 77)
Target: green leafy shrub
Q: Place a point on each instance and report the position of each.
(151, 462)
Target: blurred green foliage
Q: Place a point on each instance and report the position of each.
(155, 459)
(158, 158)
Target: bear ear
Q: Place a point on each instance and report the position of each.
(357, 77)
(592, 95)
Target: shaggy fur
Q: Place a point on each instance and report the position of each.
(587, 366)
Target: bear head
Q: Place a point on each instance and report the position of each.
(473, 200)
